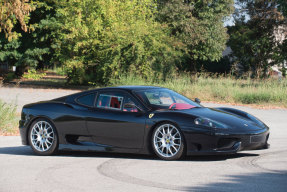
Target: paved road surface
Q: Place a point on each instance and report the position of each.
(263, 170)
(22, 96)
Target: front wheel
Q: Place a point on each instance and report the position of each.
(168, 142)
(43, 137)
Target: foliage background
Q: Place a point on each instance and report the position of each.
(94, 41)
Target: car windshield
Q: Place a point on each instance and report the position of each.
(163, 98)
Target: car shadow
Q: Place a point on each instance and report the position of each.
(260, 181)
(27, 151)
(18, 150)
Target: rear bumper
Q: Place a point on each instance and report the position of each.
(201, 144)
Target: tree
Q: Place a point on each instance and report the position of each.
(9, 50)
(38, 46)
(253, 42)
(11, 12)
(35, 48)
(197, 24)
(283, 47)
(103, 39)
(282, 5)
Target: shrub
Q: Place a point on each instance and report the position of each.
(60, 71)
(8, 118)
(32, 74)
(9, 77)
(104, 39)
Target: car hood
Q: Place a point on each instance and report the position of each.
(233, 121)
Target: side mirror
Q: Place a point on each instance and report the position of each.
(132, 107)
(197, 100)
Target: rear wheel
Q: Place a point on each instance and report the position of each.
(168, 142)
(43, 137)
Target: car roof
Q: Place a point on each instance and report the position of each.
(134, 87)
(128, 88)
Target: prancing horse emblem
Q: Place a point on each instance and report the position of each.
(151, 115)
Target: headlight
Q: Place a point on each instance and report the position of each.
(209, 123)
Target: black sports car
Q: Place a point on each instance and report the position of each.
(139, 119)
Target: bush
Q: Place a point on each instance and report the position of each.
(32, 74)
(8, 118)
(111, 38)
(9, 77)
(60, 71)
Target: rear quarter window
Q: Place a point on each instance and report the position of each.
(88, 100)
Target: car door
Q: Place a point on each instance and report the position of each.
(110, 124)
(73, 118)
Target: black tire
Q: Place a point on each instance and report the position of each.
(53, 147)
(180, 153)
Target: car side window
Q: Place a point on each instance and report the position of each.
(88, 100)
(130, 105)
(110, 101)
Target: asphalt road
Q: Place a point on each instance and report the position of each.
(22, 96)
(263, 170)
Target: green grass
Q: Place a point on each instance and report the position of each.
(8, 119)
(267, 92)
(33, 74)
(59, 71)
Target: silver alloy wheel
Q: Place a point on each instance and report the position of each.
(167, 140)
(42, 136)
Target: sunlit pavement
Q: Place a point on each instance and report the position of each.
(23, 96)
(263, 170)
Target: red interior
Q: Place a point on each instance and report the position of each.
(115, 103)
(181, 106)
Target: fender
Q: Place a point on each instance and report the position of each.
(244, 115)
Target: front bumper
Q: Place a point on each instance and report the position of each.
(23, 132)
(217, 143)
